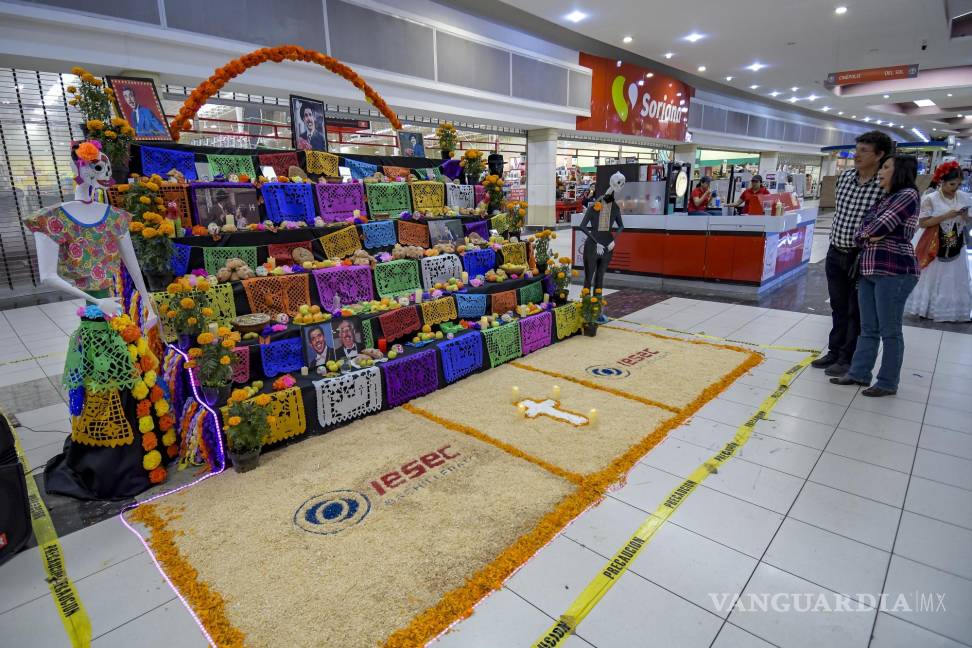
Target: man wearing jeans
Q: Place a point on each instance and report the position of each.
(857, 191)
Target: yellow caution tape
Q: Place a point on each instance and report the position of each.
(717, 338)
(69, 606)
(612, 571)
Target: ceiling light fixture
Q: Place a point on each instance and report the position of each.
(890, 124)
(775, 93)
(729, 78)
(879, 122)
(669, 55)
(576, 16)
(853, 116)
(960, 115)
(649, 75)
(756, 67)
(949, 94)
(701, 68)
(619, 62)
(887, 96)
(919, 134)
(793, 99)
(840, 112)
(641, 82)
(694, 37)
(794, 88)
(626, 39)
(840, 10)
(867, 119)
(924, 103)
(754, 86)
(825, 108)
(812, 97)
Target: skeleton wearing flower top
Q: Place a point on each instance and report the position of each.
(601, 224)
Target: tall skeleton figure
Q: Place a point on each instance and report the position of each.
(601, 224)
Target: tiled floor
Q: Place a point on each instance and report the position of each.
(836, 497)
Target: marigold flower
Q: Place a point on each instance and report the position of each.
(77, 71)
(234, 421)
(169, 438)
(172, 450)
(195, 352)
(145, 424)
(229, 344)
(110, 134)
(72, 89)
(151, 186)
(135, 227)
(207, 312)
(73, 102)
(271, 420)
(140, 390)
(239, 395)
(225, 360)
(205, 338)
(151, 460)
(187, 302)
(144, 408)
(192, 321)
(156, 394)
(87, 77)
(202, 285)
(262, 400)
(145, 200)
(95, 124)
(161, 407)
(149, 441)
(88, 152)
(122, 188)
(157, 475)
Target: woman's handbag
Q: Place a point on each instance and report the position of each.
(927, 248)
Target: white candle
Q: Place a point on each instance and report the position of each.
(522, 408)
(555, 392)
(418, 295)
(515, 394)
(592, 416)
(465, 277)
(303, 371)
(231, 220)
(546, 297)
(214, 328)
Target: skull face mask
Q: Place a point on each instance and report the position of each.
(617, 181)
(94, 168)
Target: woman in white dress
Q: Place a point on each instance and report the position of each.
(944, 291)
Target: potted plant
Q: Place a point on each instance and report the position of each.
(472, 165)
(247, 424)
(188, 311)
(151, 232)
(94, 99)
(448, 138)
(541, 248)
(561, 273)
(493, 184)
(214, 359)
(591, 307)
(516, 211)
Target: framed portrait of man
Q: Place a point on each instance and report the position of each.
(307, 124)
(411, 144)
(318, 343)
(348, 340)
(448, 230)
(138, 102)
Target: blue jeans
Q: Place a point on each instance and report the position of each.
(881, 300)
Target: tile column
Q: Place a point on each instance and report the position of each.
(769, 161)
(542, 177)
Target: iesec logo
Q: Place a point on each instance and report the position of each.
(607, 371)
(332, 512)
(660, 110)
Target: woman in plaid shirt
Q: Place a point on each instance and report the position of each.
(888, 273)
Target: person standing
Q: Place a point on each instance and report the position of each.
(857, 191)
(888, 273)
(749, 199)
(944, 293)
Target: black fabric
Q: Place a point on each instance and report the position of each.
(595, 265)
(842, 286)
(950, 246)
(15, 529)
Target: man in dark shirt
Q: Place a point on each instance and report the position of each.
(857, 191)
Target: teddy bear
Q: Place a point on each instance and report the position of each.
(234, 270)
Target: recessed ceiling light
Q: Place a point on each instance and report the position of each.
(775, 93)
(729, 78)
(840, 112)
(576, 16)
(840, 10)
(627, 39)
(812, 97)
(867, 119)
(694, 37)
(641, 82)
(934, 129)
(701, 68)
(825, 108)
(793, 99)
(794, 88)
(960, 115)
(756, 67)
(619, 62)
(887, 96)
(853, 116)
(669, 55)
(890, 124)
(753, 87)
(879, 122)
(949, 94)
(649, 75)
(924, 103)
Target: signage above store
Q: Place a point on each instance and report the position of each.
(850, 77)
(631, 100)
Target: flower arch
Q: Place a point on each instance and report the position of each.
(238, 66)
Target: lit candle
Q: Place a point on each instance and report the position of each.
(592, 416)
(231, 220)
(515, 394)
(484, 323)
(546, 297)
(555, 392)
(303, 371)
(465, 277)
(383, 345)
(214, 328)
(522, 408)
(418, 295)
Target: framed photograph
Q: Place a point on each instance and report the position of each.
(307, 124)
(411, 144)
(348, 340)
(214, 201)
(137, 101)
(318, 343)
(446, 231)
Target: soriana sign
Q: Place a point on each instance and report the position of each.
(634, 101)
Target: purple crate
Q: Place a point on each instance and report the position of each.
(351, 283)
(410, 376)
(337, 202)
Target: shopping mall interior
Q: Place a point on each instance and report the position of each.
(402, 323)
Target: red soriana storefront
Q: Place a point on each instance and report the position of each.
(630, 100)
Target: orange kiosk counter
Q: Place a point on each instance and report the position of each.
(747, 252)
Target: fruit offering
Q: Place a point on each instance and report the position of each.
(310, 314)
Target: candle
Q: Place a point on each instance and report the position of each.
(546, 297)
(465, 277)
(418, 295)
(214, 328)
(555, 392)
(522, 408)
(592, 416)
(231, 220)
(382, 345)
(303, 371)
(515, 394)
(484, 323)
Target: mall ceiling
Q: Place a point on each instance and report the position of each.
(783, 50)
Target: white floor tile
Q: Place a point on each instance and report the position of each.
(503, 619)
(907, 577)
(556, 576)
(864, 479)
(24, 372)
(38, 418)
(891, 406)
(938, 544)
(789, 428)
(848, 515)
(949, 418)
(38, 457)
(879, 425)
(822, 391)
(873, 450)
(165, 626)
(892, 632)
(832, 561)
(34, 624)
(734, 637)
(944, 468)
(954, 400)
(939, 501)
(810, 410)
(802, 629)
(635, 609)
(958, 444)
(30, 440)
(724, 411)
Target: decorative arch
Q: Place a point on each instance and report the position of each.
(238, 66)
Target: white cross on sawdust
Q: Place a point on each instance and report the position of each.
(551, 408)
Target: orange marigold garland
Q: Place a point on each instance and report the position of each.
(234, 68)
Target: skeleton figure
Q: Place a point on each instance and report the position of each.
(601, 224)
